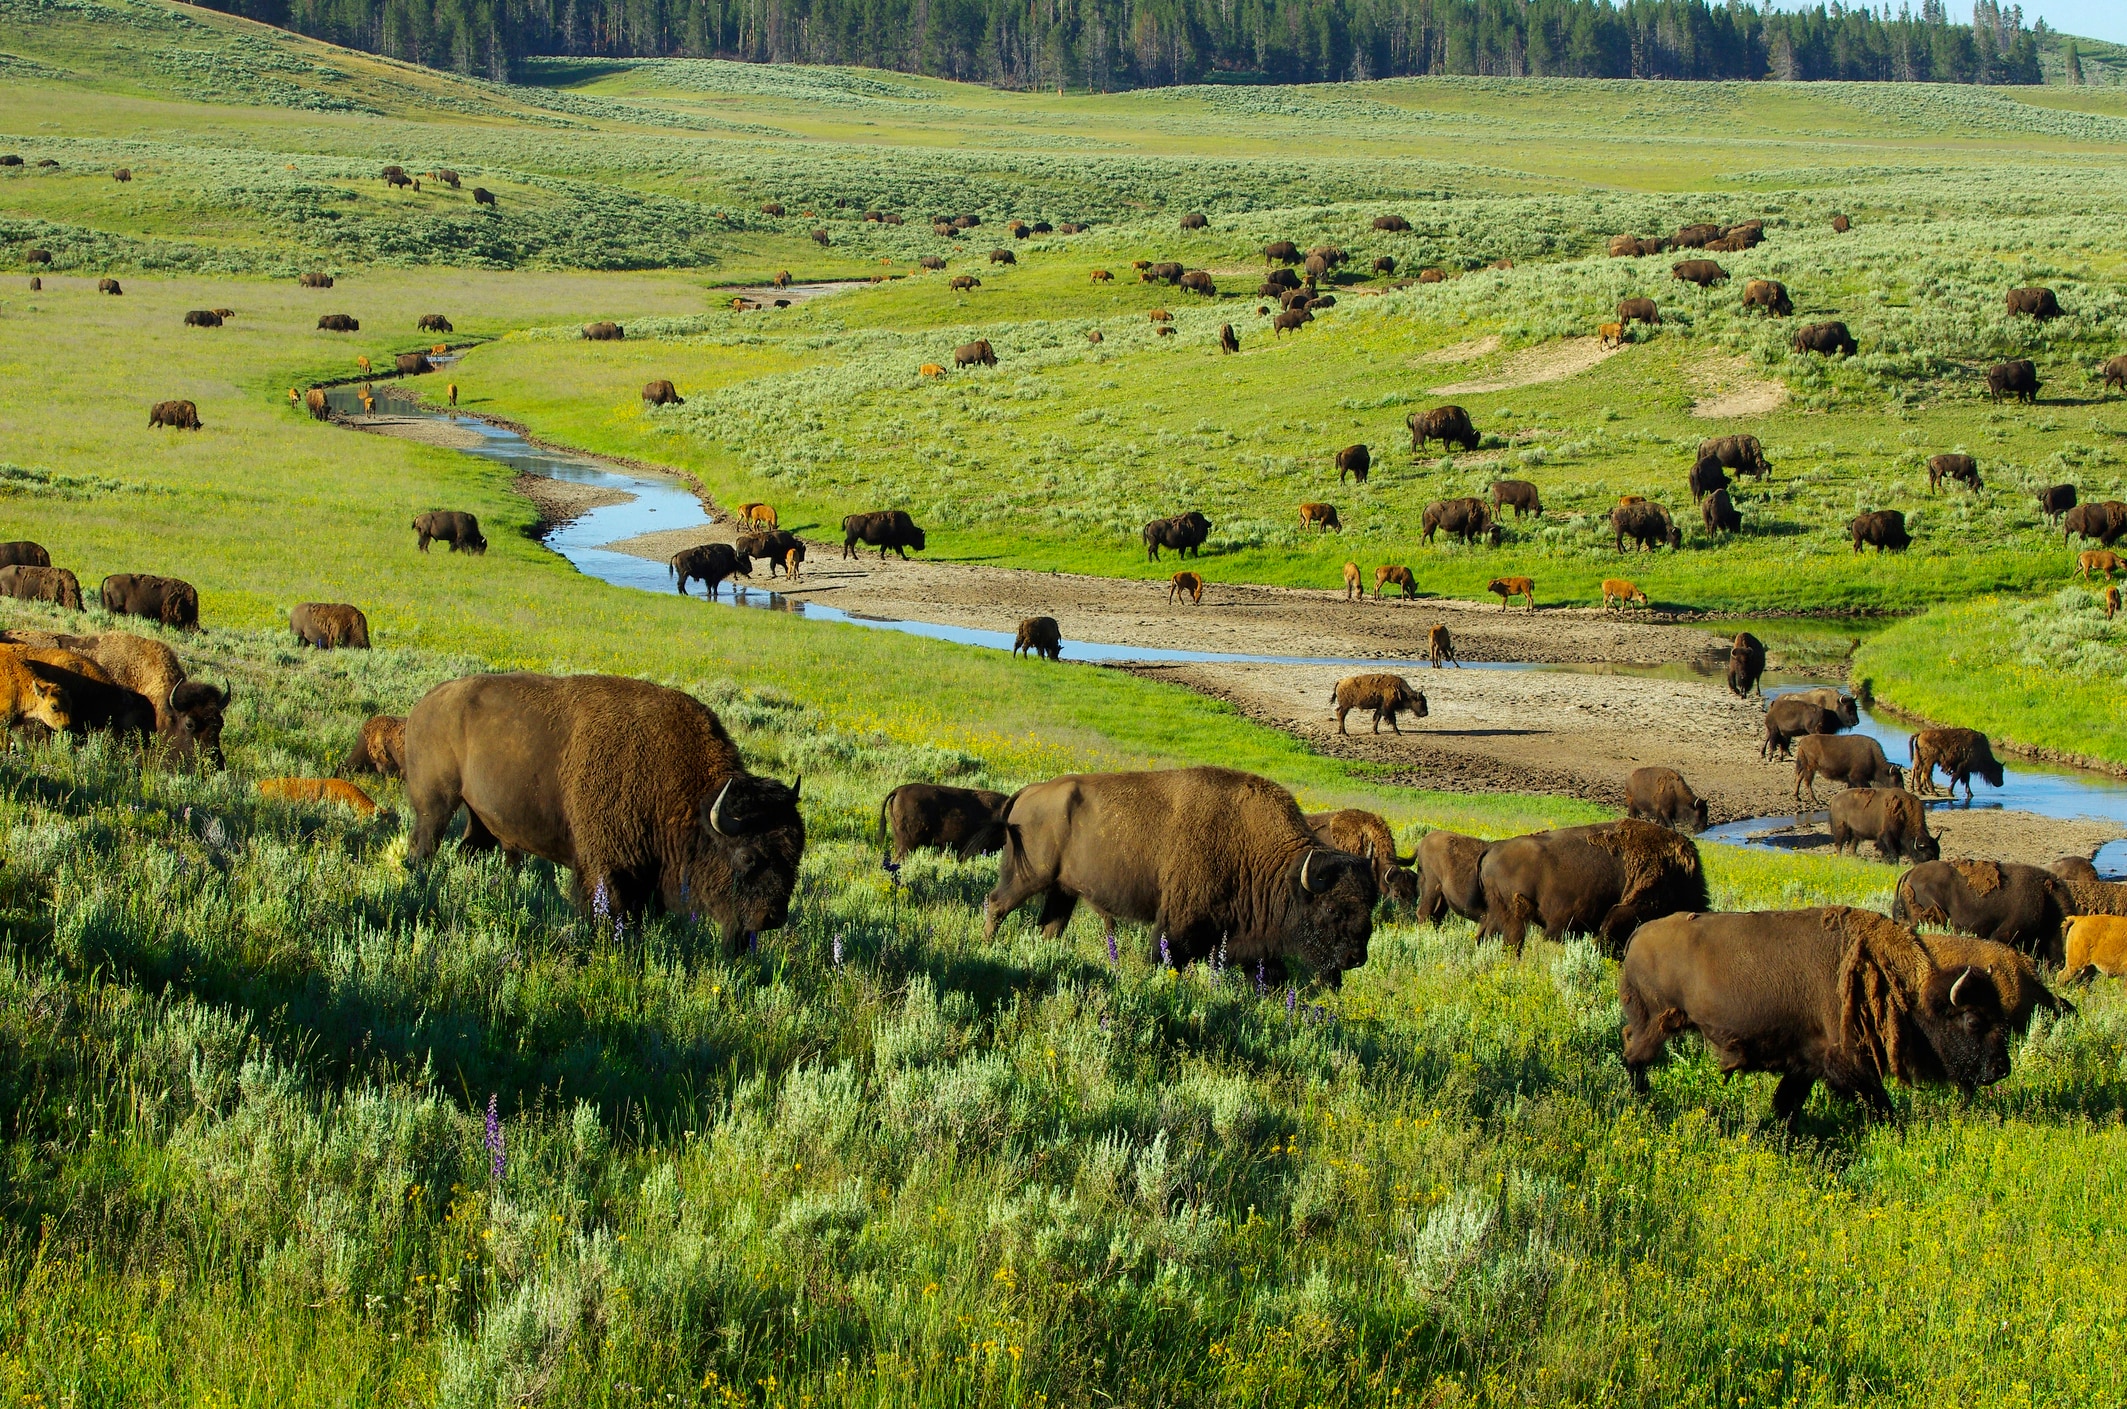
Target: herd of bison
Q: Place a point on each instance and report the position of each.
(639, 791)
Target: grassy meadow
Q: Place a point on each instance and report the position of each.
(247, 1057)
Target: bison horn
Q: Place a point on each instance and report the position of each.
(1958, 987)
(797, 787)
(1306, 880)
(716, 810)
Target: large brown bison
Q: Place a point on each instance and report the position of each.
(1450, 425)
(1394, 224)
(1283, 251)
(1041, 636)
(604, 332)
(1880, 529)
(1746, 665)
(1661, 795)
(1791, 717)
(315, 402)
(1703, 272)
(1638, 310)
(329, 624)
(31, 583)
(1706, 476)
(1825, 339)
(886, 529)
(1290, 321)
(1367, 834)
(1892, 818)
(1770, 295)
(774, 545)
(1647, 525)
(189, 714)
(1518, 495)
(1720, 513)
(23, 553)
(1836, 995)
(918, 816)
(177, 415)
(380, 748)
(339, 323)
(433, 323)
(2018, 378)
(2056, 500)
(168, 600)
(203, 318)
(1280, 280)
(1855, 760)
(2113, 371)
(1197, 281)
(1386, 695)
(2032, 303)
(709, 564)
(1741, 453)
(1961, 468)
(2104, 521)
(635, 788)
(1165, 271)
(413, 364)
(1184, 533)
(2020, 906)
(662, 393)
(483, 196)
(1959, 753)
(453, 526)
(1606, 880)
(978, 353)
(109, 286)
(1449, 876)
(1467, 519)
(1209, 858)
(1354, 460)
(1003, 256)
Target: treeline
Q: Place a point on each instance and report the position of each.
(1107, 44)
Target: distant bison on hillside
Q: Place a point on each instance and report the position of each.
(338, 323)
(1450, 425)
(1826, 339)
(603, 332)
(2033, 303)
(453, 526)
(1184, 533)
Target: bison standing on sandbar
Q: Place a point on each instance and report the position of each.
(2020, 906)
(1959, 753)
(1040, 635)
(1836, 995)
(965, 821)
(886, 529)
(1367, 834)
(329, 624)
(1890, 817)
(453, 526)
(1605, 880)
(635, 788)
(1386, 695)
(1450, 425)
(169, 600)
(1210, 858)
(1856, 760)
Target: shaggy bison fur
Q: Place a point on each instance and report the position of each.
(329, 624)
(1661, 795)
(1604, 880)
(1450, 425)
(168, 600)
(380, 748)
(965, 821)
(1040, 635)
(1890, 817)
(1386, 695)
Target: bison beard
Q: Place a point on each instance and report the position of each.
(635, 788)
(1210, 858)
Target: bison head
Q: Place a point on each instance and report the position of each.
(915, 538)
(1333, 896)
(753, 835)
(1400, 883)
(1961, 1015)
(196, 715)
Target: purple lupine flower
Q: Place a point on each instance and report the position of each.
(1218, 965)
(1292, 998)
(838, 951)
(1166, 955)
(600, 906)
(494, 1139)
(1261, 987)
(1113, 956)
(753, 941)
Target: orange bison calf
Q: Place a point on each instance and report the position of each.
(318, 790)
(1508, 588)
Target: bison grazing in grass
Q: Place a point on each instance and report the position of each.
(433, 323)
(1450, 425)
(1354, 460)
(1283, 251)
(1467, 519)
(2056, 500)
(2020, 906)
(1836, 995)
(1508, 588)
(1632, 246)
(1790, 718)
(170, 601)
(483, 196)
(1661, 795)
(1366, 834)
(1961, 468)
(1208, 859)
(1892, 818)
(23, 553)
(380, 748)
(339, 323)
(885, 529)
(662, 393)
(1696, 236)
(1322, 516)
(203, 318)
(1290, 321)
(1397, 575)
(1386, 695)
(978, 353)
(109, 286)
(1855, 760)
(2018, 379)
(1959, 753)
(453, 526)
(316, 279)
(1719, 513)
(1282, 279)
(1638, 310)
(636, 788)
(1740, 453)
(1703, 272)
(2032, 303)
(1384, 264)
(1003, 256)
(1770, 295)
(936, 262)
(1880, 529)
(2113, 371)
(1518, 495)
(962, 283)
(1184, 533)
(1195, 220)
(1825, 339)
(1394, 224)
(1228, 341)
(34, 583)
(604, 332)
(1197, 281)
(1604, 880)
(1746, 665)
(930, 816)
(177, 415)
(1840, 224)
(1041, 636)
(2104, 521)
(1647, 525)
(1707, 476)
(326, 625)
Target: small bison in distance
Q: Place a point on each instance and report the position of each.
(1290, 321)
(380, 748)
(1959, 753)
(1197, 281)
(1836, 995)
(1661, 795)
(453, 526)
(326, 625)
(1003, 257)
(1854, 760)
(962, 283)
(1322, 516)
(1184, 533)
(32, 583)
(316, 279)
(1647, 525)
(1639, 310)
(1826, 339)
(2032, 303)
(710, 564)
(885, 529)
(978, 353)
(1770, 295)
(1228, 341)
(109, 286)
(1394, 224)
(1518, 495)
(1354, 460)
(2018, 379)
(2113, 370)
(433, 323)
(1450, 425)
(177, 415)
(1386, 695)
(203, 318)
(1790, 718)
(930, 816)
(662, 393)
(338, 323)
(1467, 519)
(2056, 500)
(1890, 817)
(1961, 468)
(483, 196)
(168, 600)
(1740, 453)
(1706, 477)
(1746, 665)
(1703, 272)
(1040, 635)
(1880, 529)
(2105, 521)
(604, 332)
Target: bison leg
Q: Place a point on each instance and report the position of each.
(1342, 710)
(1790, 1096)
(424, 542)
(1056, 908)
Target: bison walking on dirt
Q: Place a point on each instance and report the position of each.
(965, 821)
(1450, 425)
(1959, 753)
(453, 526)
(1790, 718)
(1605, 880)
(1386, 695)
(1746, 665)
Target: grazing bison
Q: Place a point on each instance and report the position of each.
(1449, 866)
(1706, 477)
(1040, 635)
(1353, 588)
(1209, 858)
(2020, 906)
(710, 564)
(636, 788)
(2093, 945)
(884, 529)
(94, 701)
(1354, 460)
(1386, 695)
(1618, 590)
(1881, 529)
(2018, 379)
(1366, 834)
(1282, 280)
(1959, 753)
(1770, 295)
(1605, 880)
(338, 323)
(978, 353)
(1385, 264)
(314, 401)
(380, 748)
(604, 332)
(935, 262)
(1840, 224)
(1395, 224)
(961, 283)
(1290, 321)
(1168, 272)
(1892, 818)
(1836, 995)
(1518, 495)
(483, 196)
(1228, 340)
(662, 393)
(316, 279)
(1825, 339)
(1185, 584)
(2114, 372)
(2105, 521)
(1696, 236)
(1837, 701)
(1741, 453)
(2056, 500)
(23, 553)
(2095, 560)
(109, 286)
(1322, 516)
(413, 364)
(1283, 251)
(1855, 760)
(203, 318)
(33, 583)
(433, 323)
(1195, 220)
(329, 624)
(28, 696)
(177, 415)
(1703, 272)
(1432, 276)
(1508, 588)
(168, 600)
(1184, 533)
(1638, 310)
(2033, 303)
(188, 714)
(1961, 468)
(1791, 717)
(1719, 513)
(1746, 665)
(453, 526)
(1440, 646)
(930, 816)
(1397, 574)
(1468, 519)
(1632, 246)
(1647, 525)
(1197, 281)
(1003, 257)
(1661, 795)
(1450, 425)
(772, 208)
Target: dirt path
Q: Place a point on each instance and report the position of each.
(1550, 362)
